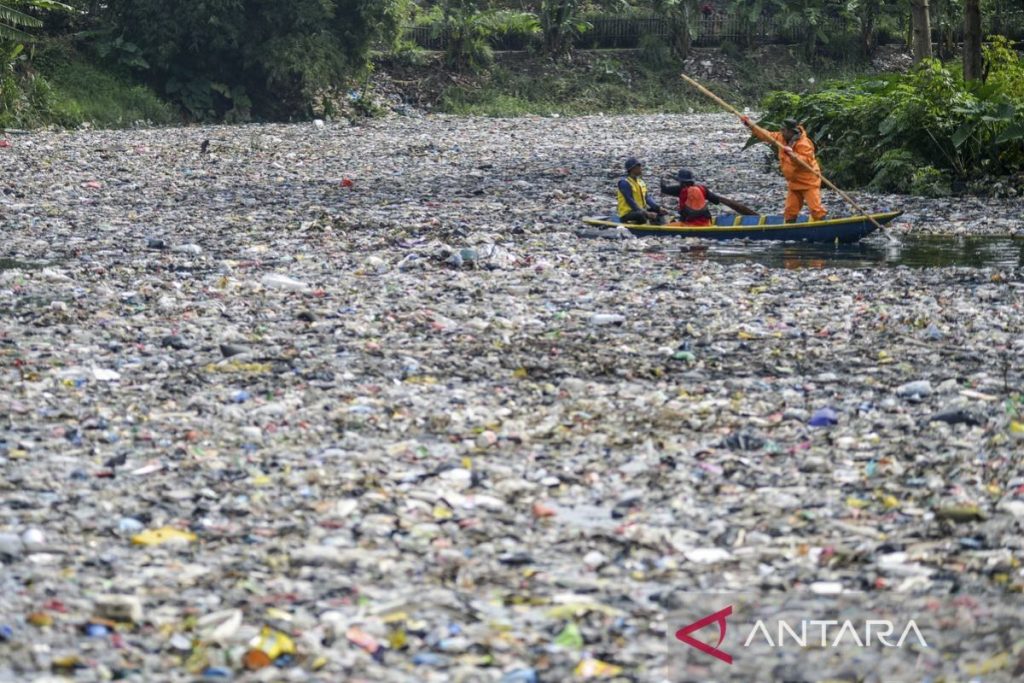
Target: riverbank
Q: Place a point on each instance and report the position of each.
(618, 81)
(394, 408)
(61, 87)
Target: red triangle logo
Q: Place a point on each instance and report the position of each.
(683, 634)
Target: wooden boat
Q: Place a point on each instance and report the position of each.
(734, 227)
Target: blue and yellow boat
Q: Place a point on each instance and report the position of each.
(768, 227)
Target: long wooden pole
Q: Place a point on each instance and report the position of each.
(728, 107)
(674, 190)
(737, 207)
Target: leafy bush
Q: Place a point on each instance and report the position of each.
(656, 51)
(731, 50)
(68, 91)
(407, 53)
(929, 181)
(232, 59)
(1003, 66)
(26, 101)
(470, 33)
(893, 171)
(881, 130)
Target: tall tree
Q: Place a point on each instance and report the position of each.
(868, 12)
(921, 30)
(972, 40)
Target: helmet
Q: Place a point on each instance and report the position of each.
(632, 163)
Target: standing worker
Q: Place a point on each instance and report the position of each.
(634, 204)
(804, 186)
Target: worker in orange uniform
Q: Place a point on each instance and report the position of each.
(804, 185)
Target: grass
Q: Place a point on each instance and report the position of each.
(61, 86)
(82, 92)
(605, 85)
(624, 83)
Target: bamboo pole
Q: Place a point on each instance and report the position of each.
(728, 107)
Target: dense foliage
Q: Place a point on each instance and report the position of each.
(15, 20)
(216, 59)
(236, 60)
(470, 28)
(12, 20)
(233, 59)
(831, 28)
(920, 131)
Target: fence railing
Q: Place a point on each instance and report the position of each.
(708, 31)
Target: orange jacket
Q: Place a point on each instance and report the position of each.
(796, 175)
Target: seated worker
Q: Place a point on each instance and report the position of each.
(694, 198)
(634, 204)
(804, 180)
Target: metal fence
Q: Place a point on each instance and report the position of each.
(626, 32)
(709, 31)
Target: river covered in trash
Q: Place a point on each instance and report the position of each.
(333, 403)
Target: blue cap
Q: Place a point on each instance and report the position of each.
(685, 175)
(632, 163)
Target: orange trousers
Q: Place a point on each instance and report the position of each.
(796, 199)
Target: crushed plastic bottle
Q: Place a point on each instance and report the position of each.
(278, 281)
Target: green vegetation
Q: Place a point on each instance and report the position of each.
(12, 21)
(214, 60)
(116, 62)
(625, 82)
(602, 84)
(83, 93)
(14, 98)
(62, 87)
(234, 60)
(920, 131)
(469, 31)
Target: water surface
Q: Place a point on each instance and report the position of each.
(914, 251)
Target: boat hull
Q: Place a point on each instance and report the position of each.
(729, 227)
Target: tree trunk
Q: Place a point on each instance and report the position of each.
(921, 30)
(972, 40)
(560, 27)
(556, 16)
(687, 39)
(679, 25)
(868, 34)
(939, 18)
(811, 43)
